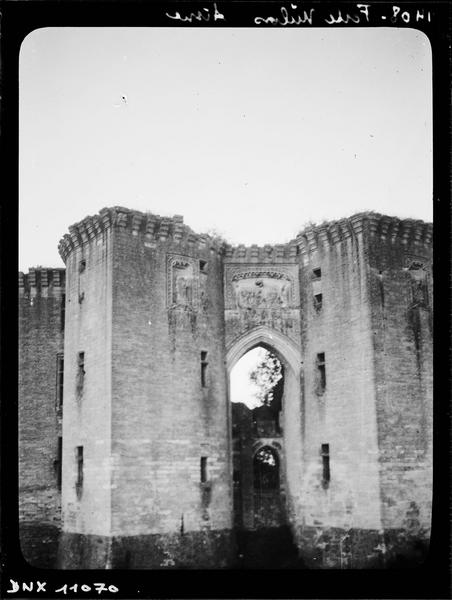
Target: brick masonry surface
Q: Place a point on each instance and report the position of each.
(41, 331)
(151, 318)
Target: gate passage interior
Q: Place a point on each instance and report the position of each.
(261, 469)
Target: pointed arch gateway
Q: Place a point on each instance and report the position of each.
(259, 459)
(284, 347)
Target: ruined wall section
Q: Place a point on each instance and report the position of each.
(41, 334)
(339, 402)
(400, 263)
(86, 493)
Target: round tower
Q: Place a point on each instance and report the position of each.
(146, 457)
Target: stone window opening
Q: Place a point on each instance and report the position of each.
(321, 370)
(60, 381)
(79, 460)
(203, 469)
(317, 288)
(204, 365)
(81, 270)
(326, 475)
(58, 463)
(203, 266)
(80, 373)
(318, 301)
(62, 311)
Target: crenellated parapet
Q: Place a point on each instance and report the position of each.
(42, 282)
(150, 228)
(261, 254)
(408, 232)
(153, 229)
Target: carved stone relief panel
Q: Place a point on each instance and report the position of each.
(182, 281)
(258, 295)
(261, 287)
(268, 291)
(419, 270)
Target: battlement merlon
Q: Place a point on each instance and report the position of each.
(408, 232)
(42, 281)
(154, 229)
(278, 253)
(150, 227)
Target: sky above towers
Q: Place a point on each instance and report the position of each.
(251, 133)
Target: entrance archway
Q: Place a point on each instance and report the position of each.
(286, 350)
(267, 453)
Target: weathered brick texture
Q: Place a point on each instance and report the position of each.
(156, 317)
(401, 300)
(343, 414)
(163, 420)
(41, 297)
(86, 508)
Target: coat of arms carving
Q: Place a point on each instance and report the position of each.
(262, 290)
(182, 282)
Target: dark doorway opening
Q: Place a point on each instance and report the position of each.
(268, 500)
(263, 534)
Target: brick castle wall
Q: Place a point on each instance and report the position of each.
(342, 415)
(86, 493)
(164, 421)
(402, 302)
(161, 315)
(41, 332)
(157, 418)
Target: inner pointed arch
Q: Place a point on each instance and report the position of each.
(285, 349)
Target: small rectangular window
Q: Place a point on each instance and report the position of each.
(81, 269)
(321, 372)
(317, 273)
(326, 476)
(203, 469)
(60, 380)
(203, 266)
(80, 372)
(79, 481)
(204, 364)
(62, 311)
(318, 300)
(59, 462)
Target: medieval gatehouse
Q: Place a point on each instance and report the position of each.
(133, 456)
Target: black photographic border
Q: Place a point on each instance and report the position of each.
(432, 579)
